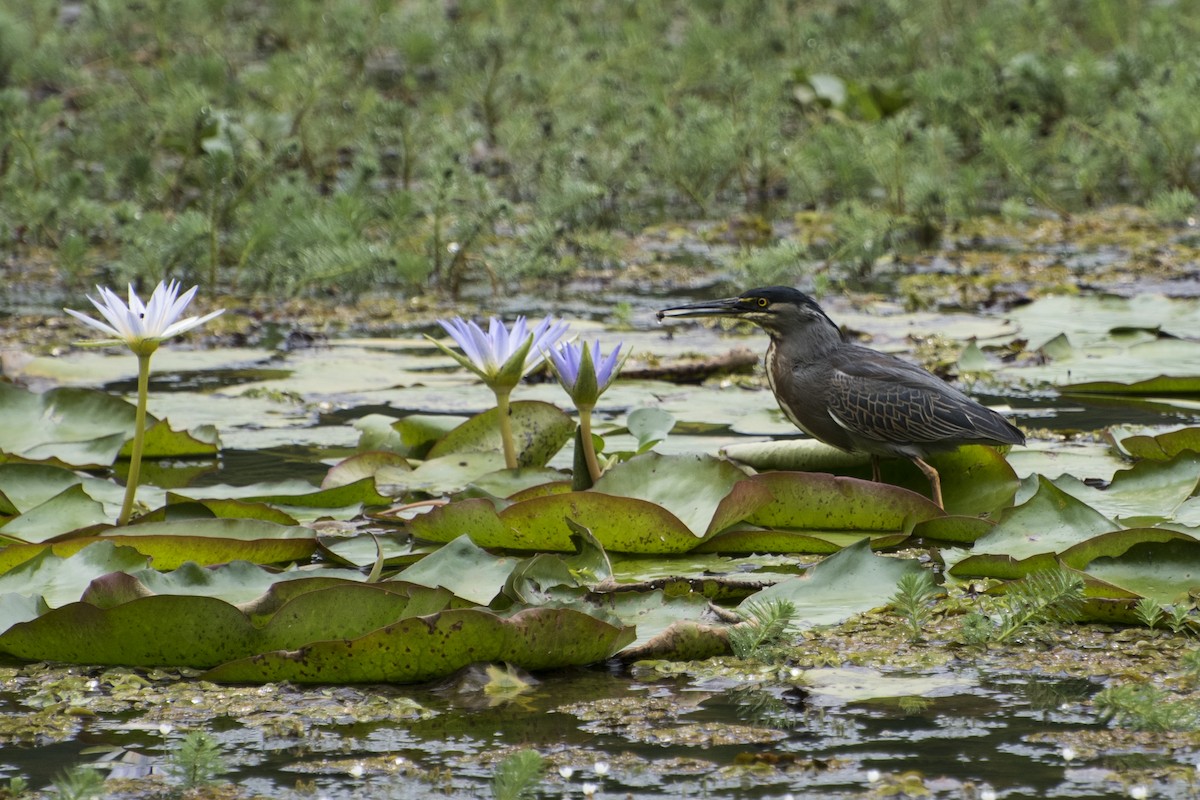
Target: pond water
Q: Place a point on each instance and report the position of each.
(658, 737)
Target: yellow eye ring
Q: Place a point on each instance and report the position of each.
(763, 302)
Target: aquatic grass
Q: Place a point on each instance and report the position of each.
(1039, 599)
(196, 760)
(141, 327)
(913, 602)
(518, 775)
(765, 624)
(585, 373)
(501, 357)
(1177, 617)
(79, 783)
(1146, 708)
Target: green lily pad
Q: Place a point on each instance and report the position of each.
(363, 549)
(1148, 492)
(79, 427)
(61, 580)
(1030, 536)
(815, 501)
(465, 569)
(69, 510)
(423, 648)
(1162, 447)
(957, 529)
(445, 475)
(749, 540)
(163, 442)
(363, 465)
(1117, 543)
(849, 582)
(199, 631)
(539, 431)
(1165, 571)
(706, 494)
(975, 479)
(216, 541)
(621, 524)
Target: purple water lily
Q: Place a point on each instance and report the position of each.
(501, 357)
(586, 373)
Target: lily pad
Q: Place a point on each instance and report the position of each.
(79, 427)
(539, 431)
(706, 494)
(1030, 536)
(1146, 493)
(465, 569)
(423, 648)
(61, 580)
(1165, 571)
(1162, 447)
(847, 583)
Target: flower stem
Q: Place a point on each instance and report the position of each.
(506, 434)
(589, 448)
(139, 438)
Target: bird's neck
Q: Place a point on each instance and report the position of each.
(815, 343)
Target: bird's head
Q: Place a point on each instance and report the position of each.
(779, 310)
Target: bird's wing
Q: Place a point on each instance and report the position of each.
(888, 400)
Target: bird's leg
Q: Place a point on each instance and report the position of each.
(935, 480)
(875, 469)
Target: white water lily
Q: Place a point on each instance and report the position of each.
(143, 326)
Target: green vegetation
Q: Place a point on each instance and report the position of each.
(518, 775)
(1039, 599)
(345, 145)
(913, 602)
(1146, 708)
(79, 783)
(768, 623)
(196, 761)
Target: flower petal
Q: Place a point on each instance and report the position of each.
(95, 323)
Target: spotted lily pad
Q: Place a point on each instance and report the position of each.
(423, 648)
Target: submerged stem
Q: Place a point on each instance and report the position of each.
(506, 434)
(139, 438)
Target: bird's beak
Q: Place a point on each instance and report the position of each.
(729, 307)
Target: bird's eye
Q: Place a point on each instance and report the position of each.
(763, 302)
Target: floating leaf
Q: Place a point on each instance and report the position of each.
(465, 569)
(363, 465)
(621, 524)
(1162, 447)
(163, 442)
(62, 580)
(539, 431)
(69, 510)
(847, 583)
(1030, 536)
(706, 494)
(1148, 492)
(433, 646)
(1165, 571)
(649, 426)
(814, 501)
(79, 427)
